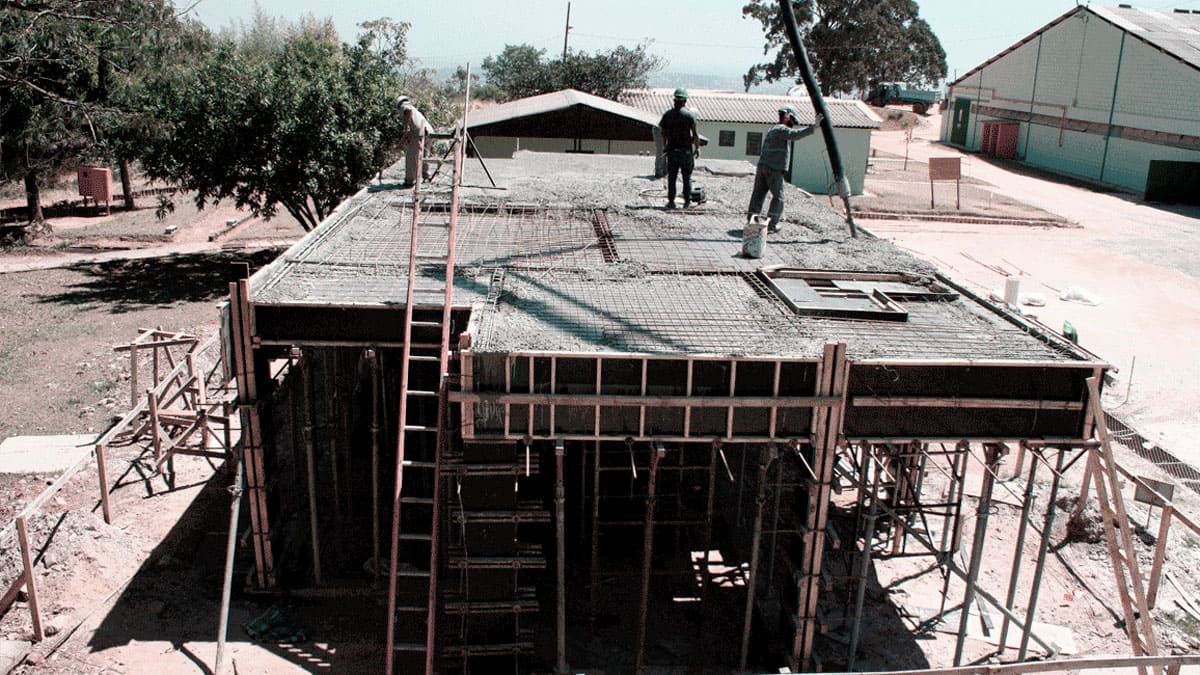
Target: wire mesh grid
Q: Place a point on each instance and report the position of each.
(939, 330)
(363, 257)
(653, 313)
(541, 237)
(694, 242)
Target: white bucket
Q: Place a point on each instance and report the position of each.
(1012, 291)
(753, 239)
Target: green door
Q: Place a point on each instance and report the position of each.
(962, 120)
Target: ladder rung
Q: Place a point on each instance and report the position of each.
(422, 357)
(422, 429)
(426, 256)
(412, 609)
(415, 536)
(415, 464)
(492, 607)
(426, 501)
(412, 573)
(422, 393)
(427, 324)
(409, 647)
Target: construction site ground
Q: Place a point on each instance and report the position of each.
(142, 595)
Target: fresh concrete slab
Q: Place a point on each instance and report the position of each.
(43, 454)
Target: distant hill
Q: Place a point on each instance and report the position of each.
(718, 82)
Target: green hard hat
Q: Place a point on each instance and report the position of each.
(681, 94)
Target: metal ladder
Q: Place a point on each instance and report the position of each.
(1139, 623)
(422, 423)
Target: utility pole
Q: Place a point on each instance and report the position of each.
(566, 32)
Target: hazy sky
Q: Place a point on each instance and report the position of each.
(697, 36)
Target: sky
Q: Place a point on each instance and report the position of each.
(697, 37)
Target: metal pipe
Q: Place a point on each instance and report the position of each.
(1018, 549)
(376, 394)
(560, 563)
(1040, 566)
(595, 528)
(818, 101)
(306, 371)
(994, 453)
(235, 505)
(656, 456)
(706, 574)
(863, 567)
(748, 617)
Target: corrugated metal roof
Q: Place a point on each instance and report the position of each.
(752, 108)
(555, 102)
(1174, 33)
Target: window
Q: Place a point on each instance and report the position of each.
(726, 139)
(753, 142)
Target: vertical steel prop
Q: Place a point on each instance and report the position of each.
(764, 463)
(993, 452)
(814, 94)
(656, 456)
(560, 514)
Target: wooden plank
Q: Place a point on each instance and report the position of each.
(950, 402)
(647, 401)
(35, 611)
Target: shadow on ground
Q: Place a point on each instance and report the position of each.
(174, 598)
(127, 285)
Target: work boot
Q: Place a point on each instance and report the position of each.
(687, 205)
(671, 205)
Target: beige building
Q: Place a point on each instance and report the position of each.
(731, 125)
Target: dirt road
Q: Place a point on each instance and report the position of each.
(1139, 259)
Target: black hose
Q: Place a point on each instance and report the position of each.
(818, 102)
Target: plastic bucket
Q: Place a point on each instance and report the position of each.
(753, 239)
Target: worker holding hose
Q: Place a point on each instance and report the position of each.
(773, 161)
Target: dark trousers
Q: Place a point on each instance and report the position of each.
(680, 161)
(767, 180)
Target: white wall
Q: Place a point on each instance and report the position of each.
(1092, 71)
(810, 163)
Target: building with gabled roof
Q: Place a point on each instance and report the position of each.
(738, 122)
(731, 126)
(1106, 94)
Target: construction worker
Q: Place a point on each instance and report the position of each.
(773, 161)
(414, 138)
(681, 143)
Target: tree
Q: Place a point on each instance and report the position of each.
(852, 43)
(521, 70)
(60, 60)
(282, 115)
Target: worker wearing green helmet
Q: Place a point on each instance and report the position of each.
(773, 161)
(681, 142)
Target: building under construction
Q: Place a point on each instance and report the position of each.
(552, 426)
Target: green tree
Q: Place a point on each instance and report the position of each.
(852, 43)
(60, 62)
(521, 70)
(282, 115)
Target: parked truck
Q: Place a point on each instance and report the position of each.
(886, 93)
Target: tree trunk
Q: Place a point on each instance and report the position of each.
(126, 185)
(33, 198)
